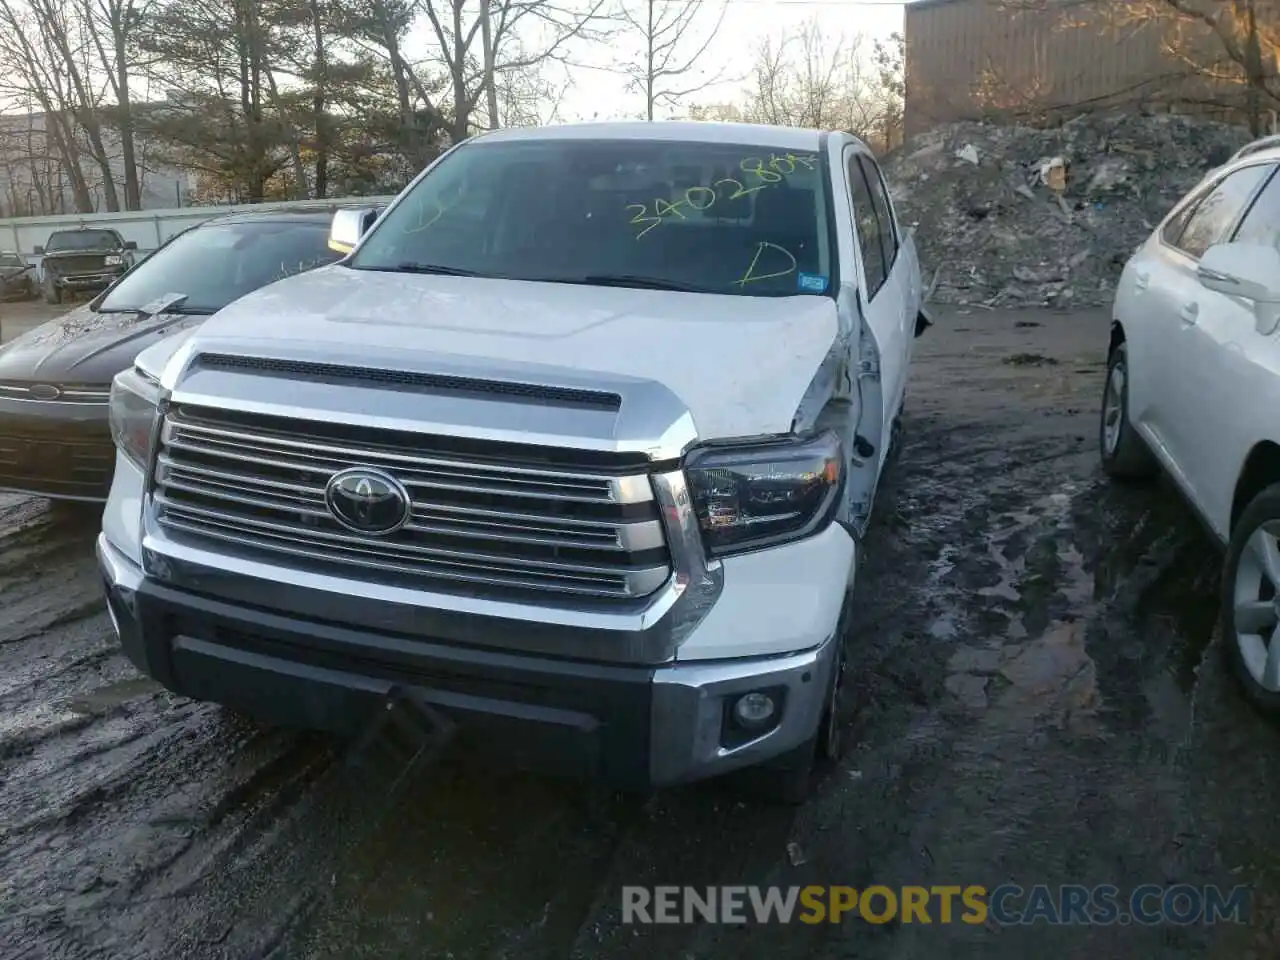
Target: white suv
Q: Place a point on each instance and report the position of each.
(1193, 386)
(574, 447)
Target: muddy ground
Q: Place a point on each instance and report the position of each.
(1040, 701)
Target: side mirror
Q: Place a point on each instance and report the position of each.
(1250, 271)
(131, 244)
(349, 226)
(39, 251)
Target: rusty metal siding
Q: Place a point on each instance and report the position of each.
(966, 59)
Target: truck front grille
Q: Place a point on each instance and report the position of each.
(69, 266)
(485, 517)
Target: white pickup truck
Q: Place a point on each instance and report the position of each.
(575, 446)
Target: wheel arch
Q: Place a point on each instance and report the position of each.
(1260, 470)
(1117, 336)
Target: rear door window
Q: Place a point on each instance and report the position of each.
(1262, 223)
(1220, 208)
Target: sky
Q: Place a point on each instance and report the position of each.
(600, 94)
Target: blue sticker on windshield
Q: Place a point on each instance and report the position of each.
(812, 283)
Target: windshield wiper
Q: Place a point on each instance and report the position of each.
(170, 303)
(435, 268)
(629, 280)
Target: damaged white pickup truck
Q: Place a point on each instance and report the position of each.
(574, 447)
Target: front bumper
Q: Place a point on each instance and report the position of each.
(16, 289)
(88, 281)
(630, 726)
(58, 450)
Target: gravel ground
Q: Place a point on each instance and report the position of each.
(1038, 703)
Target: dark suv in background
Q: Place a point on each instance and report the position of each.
(80, 260)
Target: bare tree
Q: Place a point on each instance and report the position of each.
(522, 34)
(110, 25)
(668, 67)
(528, 98)
(32, 74)
(808, 79)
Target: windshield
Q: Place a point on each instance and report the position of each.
(10, 260)
(215, 264)
(710, 217)
(83, 240)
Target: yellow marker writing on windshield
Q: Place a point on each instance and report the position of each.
(752, 277)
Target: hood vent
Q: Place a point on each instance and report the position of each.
(431, 382)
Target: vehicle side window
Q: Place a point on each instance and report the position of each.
(880, 200)
(1262, 223)
(1215, 214)
(1172, 231)
(868, 224)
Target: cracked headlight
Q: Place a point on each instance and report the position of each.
(134, 405)
(758, 495)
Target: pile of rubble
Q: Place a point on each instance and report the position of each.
(1013, 216)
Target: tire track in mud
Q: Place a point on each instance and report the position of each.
(111, 790)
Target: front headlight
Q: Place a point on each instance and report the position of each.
(111, 260)
(134, 404)
(759, 495)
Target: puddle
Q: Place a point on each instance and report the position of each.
(113, 695)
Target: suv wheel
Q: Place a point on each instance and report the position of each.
(1125, 455)
(51, 292)
(1251, 600)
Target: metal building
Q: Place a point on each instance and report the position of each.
(968, 59)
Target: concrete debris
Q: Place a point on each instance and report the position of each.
(1050, 216)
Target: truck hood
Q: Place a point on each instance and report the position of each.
(740, 364)
(85, 347)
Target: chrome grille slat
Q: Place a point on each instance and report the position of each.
(275, 446)
(561, 582)
(412, 478)
(473, 522)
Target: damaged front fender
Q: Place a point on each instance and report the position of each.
(843, 396)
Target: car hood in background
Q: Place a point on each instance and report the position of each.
(85, 347)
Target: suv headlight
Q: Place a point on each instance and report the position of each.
(758, 495)
(134, 404)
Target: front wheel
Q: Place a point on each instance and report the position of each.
(1125, 456)
(1251, 600)
(51, 292)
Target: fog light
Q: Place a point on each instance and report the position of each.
(753, 710)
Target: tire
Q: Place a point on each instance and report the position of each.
(51, 292)
(1125, 455)
(788, 779)
(1251, 601)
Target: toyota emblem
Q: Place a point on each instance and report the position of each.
(367, 501)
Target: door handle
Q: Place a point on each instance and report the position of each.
(1190, 312)
(1141, 281)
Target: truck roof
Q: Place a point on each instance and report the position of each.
(755, 134)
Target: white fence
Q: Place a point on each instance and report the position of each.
(147, 228)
